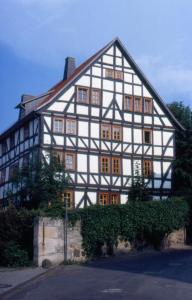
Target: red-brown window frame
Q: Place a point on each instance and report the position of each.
(140, 105)
(147, 168)
(78, 87)
(105, 125)
(110, 71)
(117, 77)
(118, 198)
(150, 100)
(72, 200)
(74, 159)
(108, 198)
(113, 129)
(103, 194)
(119, 163)
(101, 164)
(125, 105)
(150, 132)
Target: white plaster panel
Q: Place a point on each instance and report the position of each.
(84, 81)
(128, 88)
(46, 139)
(70, 108)
(137, 119)
(119, 99)
(127, 135)
(137, 136)
(157, 121)
(166, 165)
(157, 184)
(31, 128)
(137, 90)
(107, 98)
(108, 85)
(93, 197)
(118, 52)
(82, 162)
(127, 77)
(137, 162)
(123, 199)
(93, 163)
(96, 82)
(167, 122)
(82, 109)
(128, 117)
(78, 196)
(167, 185)
(126, 167)
(157, 151)
(83, 128)
(96, 71)
(157, 138)
(118, 61)
(169, 152)
(136, 79)
(68, 94)
(108, 59)
(110, 51)
(157, 107)
(157, 169)
(95, 111)
(94, 130)
(59, 140)
(48, 121)
(119, 87)
(57, 106)
(126, 64)
(146, 92)
(147, 120)
(166, 136)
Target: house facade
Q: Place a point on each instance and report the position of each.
(102, 119)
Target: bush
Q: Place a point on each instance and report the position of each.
(14, 256)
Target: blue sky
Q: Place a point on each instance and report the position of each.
(37, 35)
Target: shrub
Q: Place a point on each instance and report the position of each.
(14, 255)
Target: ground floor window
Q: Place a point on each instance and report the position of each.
(68, 199)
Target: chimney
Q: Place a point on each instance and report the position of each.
(69, 67)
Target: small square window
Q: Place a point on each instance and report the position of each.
(103, 198)
(147, 136)
(82, 94)
(119, 75)
(58, 125)
(117, 133)
(109, 73)
(71, 126)
(95, 96)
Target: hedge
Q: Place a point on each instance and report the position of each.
(149, 221)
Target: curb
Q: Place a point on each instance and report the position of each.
(16, 289)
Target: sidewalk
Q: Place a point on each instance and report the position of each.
(13, 277)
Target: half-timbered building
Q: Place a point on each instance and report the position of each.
(102, 119)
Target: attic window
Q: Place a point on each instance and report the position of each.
(128, 102)
(109, 73)
(148, 105)
(119, 75)
(82, 94)
(137, 104)
(95, 96)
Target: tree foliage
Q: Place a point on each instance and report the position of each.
(182, 175)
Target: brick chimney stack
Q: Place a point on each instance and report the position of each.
(69, 67)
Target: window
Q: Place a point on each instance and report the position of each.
(58, 125)
(116, 165)
(128, 102)
(95, 96)
(103, 199)
(147, 168)
(26, 131)
(2, 176)
(116, 133)
(119, 75)
(109, 73)
(26, 161)
(58, 155)
(82, 94)
(4, 147)
(12, 140)
(114, 199)
(148, 105)
(70, 161)
(13, 171)
(137, 104)
(105, 164)
(68, 198)
(147, 136)
(105, 131)
(70, 126)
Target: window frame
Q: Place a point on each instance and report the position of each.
(72, 202)
(150, 100)
(112, 76)
(73, 161)
(125, 107)
(77, 95)
(95, 90)
(147, 172)
(101, 164)
(118, 198)
(120, 78)
(150, 136)
(107, 199)
(114, 172)
(140, 105)
(105, 125)
(58, 119)
(73, 121)
(120, 133)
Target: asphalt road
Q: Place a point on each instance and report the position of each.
(156, 276)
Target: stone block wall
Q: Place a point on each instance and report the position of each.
(49, 241)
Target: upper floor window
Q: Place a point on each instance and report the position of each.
(109, 73)
(105, 164)
(105, 131)
(58, 155)
(68, 199)
(148, 105)
(70, 161)
(58, 125)
(103, 198)
(147, 136)
(26, 160)
(4, 147)
(2, 176)
(147, 168)
(12, 140)
(119, 75)
(82, 94)
(13, 171)
(95, 96)
(117, 133)
(114, 198)
(26, 131)
(128, 102)
(137, 104)
(71, 126)
(116, 165)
